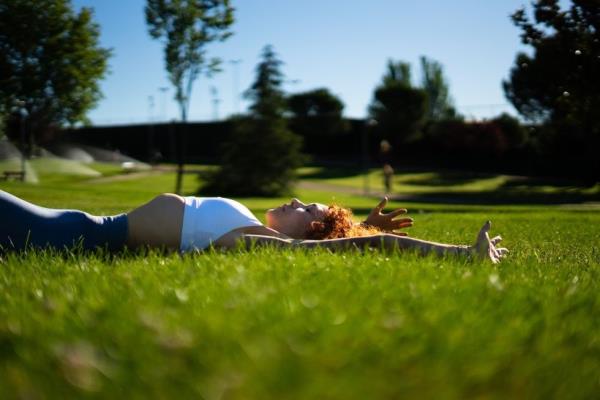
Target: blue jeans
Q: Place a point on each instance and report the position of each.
(24, 225)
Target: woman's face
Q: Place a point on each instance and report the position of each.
(294, 219)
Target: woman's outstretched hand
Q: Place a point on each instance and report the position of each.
(386, 222)
(486, 248)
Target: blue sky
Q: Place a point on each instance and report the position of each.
(337, 44)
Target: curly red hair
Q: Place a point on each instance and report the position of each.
(338, 223)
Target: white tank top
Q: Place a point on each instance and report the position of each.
(206, 219)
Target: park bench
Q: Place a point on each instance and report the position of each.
(17, 175)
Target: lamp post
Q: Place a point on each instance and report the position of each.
(22, 111)
(236, 83)
(150, 140)
(163, 111)
(214, 93)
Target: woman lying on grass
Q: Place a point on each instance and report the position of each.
(196, 223)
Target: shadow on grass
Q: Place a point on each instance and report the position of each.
(517, 181)
(499, 197)
(446, 179)
(514, 190)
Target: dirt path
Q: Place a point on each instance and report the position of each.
(128, 176)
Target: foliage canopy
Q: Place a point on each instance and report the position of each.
(186, 27)
(558, 83)
(398, 107)
(316, 112)
(435, 84)
(559, 80)
(51, 60)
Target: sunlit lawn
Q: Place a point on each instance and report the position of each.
(473, 187)
(295, 324)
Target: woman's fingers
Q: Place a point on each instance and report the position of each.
(401, 224)
(485, 246)
(381, 204)
(495, 240)
(397, 212)
(502, 251)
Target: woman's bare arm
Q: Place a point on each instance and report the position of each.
(380, 241)
(484, 246)
(251, 241)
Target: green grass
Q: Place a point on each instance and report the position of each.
(447, 185)
(296, 324)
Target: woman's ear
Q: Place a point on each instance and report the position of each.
(316, 228)
(317, 225)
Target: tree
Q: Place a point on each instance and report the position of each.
(514, 132)
(399, 108)
(316, 112)
(187, 27)
(266, 94)
(51, 60)
(434, 83)
(2, 125)
(558, 83)
(397, 74)
(262, 154)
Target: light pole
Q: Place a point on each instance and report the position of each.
(150, 139)
(22, 111)
(163, 111)
(214, 93)
(236, 84)
(150, 109)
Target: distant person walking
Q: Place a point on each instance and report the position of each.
(385, 154)
(388, 175)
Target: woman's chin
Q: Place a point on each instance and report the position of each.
(269, 217)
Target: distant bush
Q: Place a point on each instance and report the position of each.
(514, 132)
(316, 113)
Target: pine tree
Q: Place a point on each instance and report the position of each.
(262, 154)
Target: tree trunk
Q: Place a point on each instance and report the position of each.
(180, 145)
(180, 149)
